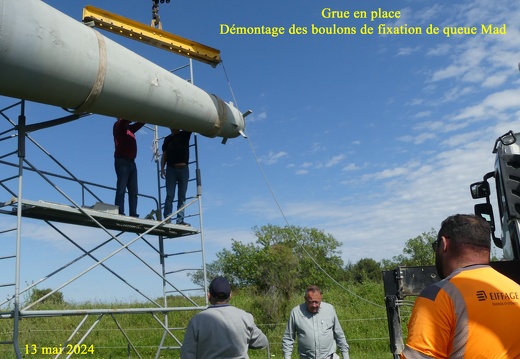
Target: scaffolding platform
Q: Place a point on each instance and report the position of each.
(92, 217)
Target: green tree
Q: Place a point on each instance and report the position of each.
(366, 269)
(281, 261)
(316, 254)
(289, 258)
(417, 252)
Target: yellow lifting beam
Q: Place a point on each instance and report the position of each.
(150, 35)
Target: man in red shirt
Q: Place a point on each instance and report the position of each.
(124, 163)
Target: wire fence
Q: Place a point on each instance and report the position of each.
(274, 332)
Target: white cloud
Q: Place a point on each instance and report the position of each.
(493, 105)
(422, 114)
(450, 71)
(417, 139)
(256, 117)
(439, 50)
(272, 157)
(495, 80)
(316, 147)
(350, 167)
(388, 173)
(334, 160)
(407, 51)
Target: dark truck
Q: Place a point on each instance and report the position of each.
(410, 281)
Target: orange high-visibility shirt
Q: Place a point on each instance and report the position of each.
(473, 313)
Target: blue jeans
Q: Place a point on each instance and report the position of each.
(126, 172)
(176, 177)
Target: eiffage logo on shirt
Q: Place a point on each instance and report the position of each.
(500, 296)
(481, 295)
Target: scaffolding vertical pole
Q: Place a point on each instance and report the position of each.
(199, 196)
(161, 238)
(158, 213)
(157, 158)
(21, 157)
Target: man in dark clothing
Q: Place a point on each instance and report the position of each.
(124, 163)
(176, 156)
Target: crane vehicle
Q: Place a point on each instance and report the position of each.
(409, 281)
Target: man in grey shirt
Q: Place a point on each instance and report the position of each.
(317, 327)
(221, 331)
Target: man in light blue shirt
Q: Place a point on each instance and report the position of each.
(317, 327)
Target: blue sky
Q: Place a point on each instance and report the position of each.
(373, 139)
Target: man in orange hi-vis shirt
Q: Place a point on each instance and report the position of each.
(474, 311)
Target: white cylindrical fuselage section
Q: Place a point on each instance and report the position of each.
(48, 57)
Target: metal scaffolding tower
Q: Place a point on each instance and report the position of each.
(61, 234)
(100, 244)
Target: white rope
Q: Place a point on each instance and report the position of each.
(282, 212)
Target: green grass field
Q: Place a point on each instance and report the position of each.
(360, 310)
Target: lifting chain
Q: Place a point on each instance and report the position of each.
(156, 19)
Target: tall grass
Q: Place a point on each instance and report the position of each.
(360, 309)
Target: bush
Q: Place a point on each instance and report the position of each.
(54, 298)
